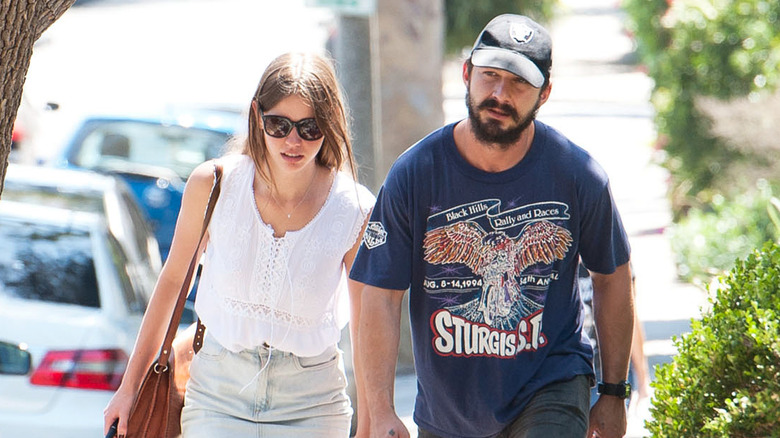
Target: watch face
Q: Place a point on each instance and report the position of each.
(626, 390)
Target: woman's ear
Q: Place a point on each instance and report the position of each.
(255, 112)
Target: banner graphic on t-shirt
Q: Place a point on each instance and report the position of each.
(489, 282)
(501, 220)
(470, 211)
(519, 216)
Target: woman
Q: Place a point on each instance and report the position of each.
(285, 229)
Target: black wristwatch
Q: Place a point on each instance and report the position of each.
(620, 390)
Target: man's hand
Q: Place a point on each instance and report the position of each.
(389, 426)
(608, 418)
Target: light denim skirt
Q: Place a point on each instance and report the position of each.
(265, 393)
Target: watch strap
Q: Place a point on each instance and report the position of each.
(621, 390)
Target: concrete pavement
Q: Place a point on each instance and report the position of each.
(600, 100)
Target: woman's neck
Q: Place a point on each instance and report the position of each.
(292, 187)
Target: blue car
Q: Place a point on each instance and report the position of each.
(153, 154)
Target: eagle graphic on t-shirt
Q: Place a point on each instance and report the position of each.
(497, 258)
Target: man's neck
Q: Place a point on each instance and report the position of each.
(491, 157)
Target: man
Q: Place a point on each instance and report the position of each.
(485, 221)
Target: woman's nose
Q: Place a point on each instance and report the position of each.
(293, 138)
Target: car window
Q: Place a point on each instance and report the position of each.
(133, 302)
(140, 222)
(119, 206)
(83, 201)
(110, 144)
(47, 263)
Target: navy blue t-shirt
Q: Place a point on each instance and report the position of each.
(491, 263)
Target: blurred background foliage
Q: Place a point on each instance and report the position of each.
(466, 18)
(708, 241)
(716, 68)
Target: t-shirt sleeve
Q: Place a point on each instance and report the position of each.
(384, 257)
(603, 241)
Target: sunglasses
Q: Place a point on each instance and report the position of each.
(280, 127)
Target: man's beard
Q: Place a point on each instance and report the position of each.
(491, 131)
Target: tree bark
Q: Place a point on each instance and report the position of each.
(22, 23)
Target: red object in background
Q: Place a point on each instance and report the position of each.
(17, 135)
(86, 369)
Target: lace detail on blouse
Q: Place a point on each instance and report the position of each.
(266, 313)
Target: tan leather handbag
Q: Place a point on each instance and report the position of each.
(156, 412)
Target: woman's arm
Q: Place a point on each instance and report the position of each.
(165, 295)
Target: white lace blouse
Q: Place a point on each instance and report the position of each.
(289, 292)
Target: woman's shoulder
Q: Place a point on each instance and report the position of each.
(352, 192)
(232, 161)
(235, 167)
(202, 178)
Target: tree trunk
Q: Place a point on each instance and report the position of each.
(22, 23)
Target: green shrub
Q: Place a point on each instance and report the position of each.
(725, 379)
(707, 242)
(466, 18)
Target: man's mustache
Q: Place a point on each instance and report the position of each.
(491, 103)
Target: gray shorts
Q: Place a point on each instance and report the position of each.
(228, 395)
(559, 410)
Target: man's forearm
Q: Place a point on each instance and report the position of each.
(379, 334)
(613, 306)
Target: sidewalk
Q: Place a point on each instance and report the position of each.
(600, 100)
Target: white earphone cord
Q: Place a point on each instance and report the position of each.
(289, 325)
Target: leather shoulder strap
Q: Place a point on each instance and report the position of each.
(173, 326)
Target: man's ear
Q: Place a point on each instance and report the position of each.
(545, 94)
(466, 72)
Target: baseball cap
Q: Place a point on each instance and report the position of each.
(517, 44)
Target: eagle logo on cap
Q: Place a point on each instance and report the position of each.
(522, 33)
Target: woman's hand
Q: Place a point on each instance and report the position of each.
(118, 407)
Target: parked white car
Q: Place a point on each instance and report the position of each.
(72, 295)
(83, 190)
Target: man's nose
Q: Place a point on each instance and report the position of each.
(500, 90)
